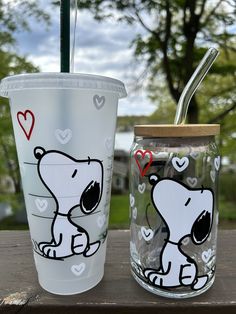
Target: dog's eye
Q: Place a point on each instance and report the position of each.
(188, 201)
(74, 173)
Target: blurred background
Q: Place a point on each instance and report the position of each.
(153, 47)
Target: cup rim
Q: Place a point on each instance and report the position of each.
(58, 80)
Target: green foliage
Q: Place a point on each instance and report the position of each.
(119, 209)
(10, 64)
(227, 212)
(10, 223)
(119, 212)
(217, 99)
(14, 16)
(175, 38)
(127, 123)
(176, 35)
(227, 187)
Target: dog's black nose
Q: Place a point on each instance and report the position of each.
(39, 152)
(90, 198)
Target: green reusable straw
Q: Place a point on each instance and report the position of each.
(65, 35)
(193, 83)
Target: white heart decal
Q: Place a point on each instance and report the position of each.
(98, 101)
(206, 255)
(180, 164)
(131, 200)
(134, 212)
(77, 270)
(217, 163)
(141, 188)
(213, 175)
(41, 204)
(192, 182)
(147, 234)
(194, 155)
(101, 221)
(109, 144)
(63, 136)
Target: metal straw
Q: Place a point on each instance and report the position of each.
(193, 83)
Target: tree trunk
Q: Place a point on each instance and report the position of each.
(12, 172)
(190, 29)
(193, 111)
(18, 188)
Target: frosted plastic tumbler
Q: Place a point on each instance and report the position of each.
(64, 126)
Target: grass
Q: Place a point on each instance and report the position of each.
(9, 223)
(119, 215)
(227, 210)
(119, 212)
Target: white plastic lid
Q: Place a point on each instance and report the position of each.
(61, 81)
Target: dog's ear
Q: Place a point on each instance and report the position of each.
(90, 197)
(39, 152)
(153, 178)
(201, 227)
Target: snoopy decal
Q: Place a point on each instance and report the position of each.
(186, 212)
(72, 183)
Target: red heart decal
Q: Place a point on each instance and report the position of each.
(143, 154)
(26, 121)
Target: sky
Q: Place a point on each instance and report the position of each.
(101, 48)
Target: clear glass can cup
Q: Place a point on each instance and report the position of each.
(173, 208)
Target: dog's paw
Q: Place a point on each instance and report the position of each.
(187, 274)
(49, 251)
(147, 272)
(42, 245)
(56, 252)
(92, 249)
(154, 277)
(79, 243)
(200, 282)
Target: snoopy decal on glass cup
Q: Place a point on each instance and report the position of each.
(196, 205)
(174, 219)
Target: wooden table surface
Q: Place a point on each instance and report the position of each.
(118, 292)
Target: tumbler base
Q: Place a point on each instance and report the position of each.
(172, 294)
(70, 287)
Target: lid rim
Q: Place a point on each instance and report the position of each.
(171, 130)
(55, 80)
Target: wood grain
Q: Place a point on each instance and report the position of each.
(117, 293)
(171, 130)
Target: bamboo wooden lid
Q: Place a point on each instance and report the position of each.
(172, 130)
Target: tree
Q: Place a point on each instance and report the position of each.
(214, 95)
(13, 18)
(177, 35)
